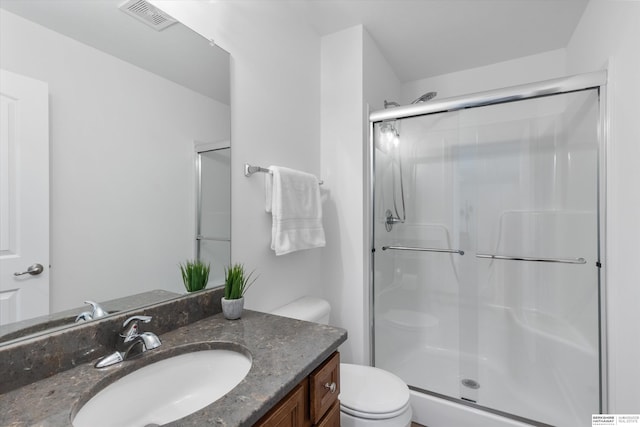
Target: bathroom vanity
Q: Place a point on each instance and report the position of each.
(313, 402)
(289, 358)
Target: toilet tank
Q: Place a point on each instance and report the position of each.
(311, 309)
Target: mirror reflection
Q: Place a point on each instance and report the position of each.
(213, 234)
(127, 109)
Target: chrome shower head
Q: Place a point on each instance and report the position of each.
(426, 97)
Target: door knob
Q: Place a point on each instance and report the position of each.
(34, 270)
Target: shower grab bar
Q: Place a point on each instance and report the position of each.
(409, 248)
(250, 170)
(216, 239)
(524, 258)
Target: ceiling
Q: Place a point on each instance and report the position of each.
(425, 38)
(176, 53)
(419, 38)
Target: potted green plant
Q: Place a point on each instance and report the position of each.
(236, 283)
(195, 275)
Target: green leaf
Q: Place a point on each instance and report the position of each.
(195, 275)
(236, 281)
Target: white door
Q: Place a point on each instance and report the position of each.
(24, 197)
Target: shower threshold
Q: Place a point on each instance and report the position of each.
(433, 396)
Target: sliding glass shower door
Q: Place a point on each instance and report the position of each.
(486, 260)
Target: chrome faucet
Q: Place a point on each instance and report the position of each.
(95, 313)
(131, 342)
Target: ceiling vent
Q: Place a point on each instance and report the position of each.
(147, 13)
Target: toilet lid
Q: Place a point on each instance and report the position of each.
(368, 390)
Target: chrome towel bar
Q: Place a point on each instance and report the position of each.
(524, 258)
(215, 239)
(250, 170)
(409, 248)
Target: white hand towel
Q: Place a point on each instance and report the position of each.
(293, 198)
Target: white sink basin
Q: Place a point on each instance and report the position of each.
(166, 390)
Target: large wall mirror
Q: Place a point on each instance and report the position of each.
(128, 109)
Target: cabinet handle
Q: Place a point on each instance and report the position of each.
(331, 387)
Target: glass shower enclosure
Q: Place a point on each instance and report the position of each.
(486, 255)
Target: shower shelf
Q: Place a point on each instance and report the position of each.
(523, 258)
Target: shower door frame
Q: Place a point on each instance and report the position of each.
(596, 80)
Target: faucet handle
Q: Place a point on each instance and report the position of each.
(143, 319)
(83, 317)
(95, 313)
(96, 310)
(130, 327)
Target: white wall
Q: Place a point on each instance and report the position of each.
(342, 159)
(608, 36)
(380, 81)
(354, 74)
(122, 195)
(543, 66)
(275, 116)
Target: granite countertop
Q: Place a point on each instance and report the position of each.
(283, 352)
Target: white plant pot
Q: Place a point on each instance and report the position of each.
(232, 308)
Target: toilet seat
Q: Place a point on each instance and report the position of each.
(368, 416)
(371, 393)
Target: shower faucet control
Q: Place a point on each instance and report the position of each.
(391, 220)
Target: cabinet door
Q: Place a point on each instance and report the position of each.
(332, 419)
(290, 412)
(324, 387)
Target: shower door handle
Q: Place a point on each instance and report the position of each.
(410, 248)
(524, 258)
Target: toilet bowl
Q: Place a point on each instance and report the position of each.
(368, 396)
(372, 397)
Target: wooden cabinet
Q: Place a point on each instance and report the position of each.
(291, 411)
(332, 418)
(324, 387)
(313, 402)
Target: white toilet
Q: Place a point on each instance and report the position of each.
(368, 396)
